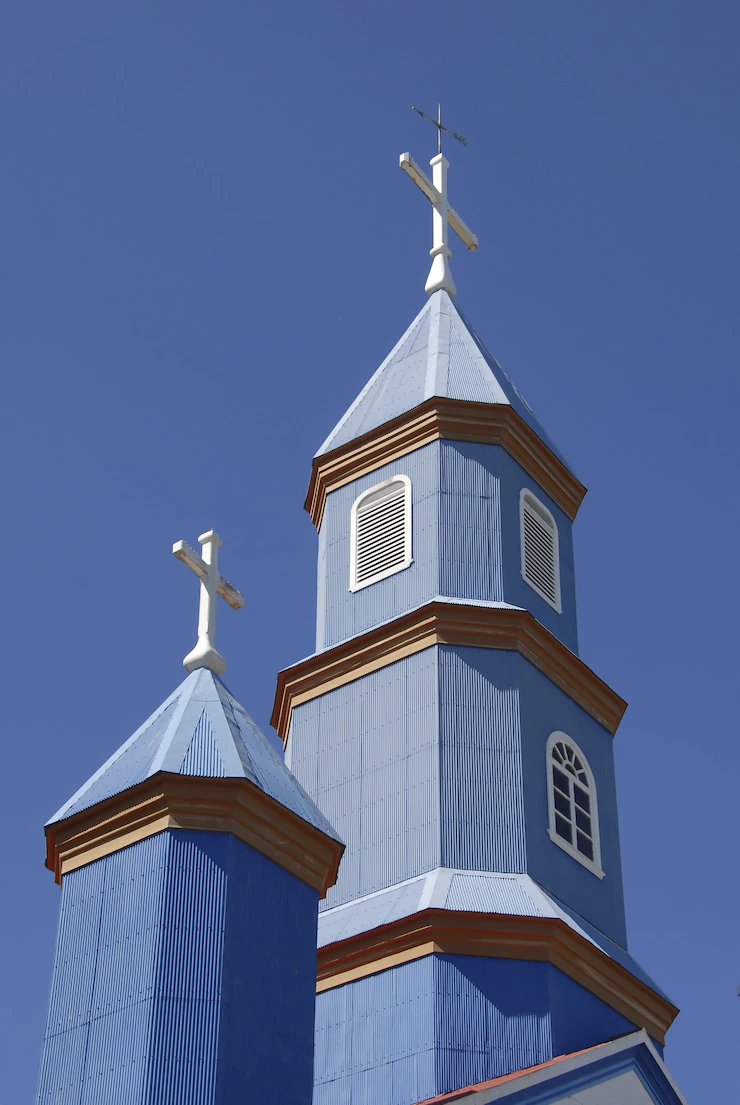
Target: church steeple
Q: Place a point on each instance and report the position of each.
(191, 865)
(450, 731)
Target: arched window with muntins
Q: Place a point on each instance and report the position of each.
(573, 806)
(538, 534)
(380, 525)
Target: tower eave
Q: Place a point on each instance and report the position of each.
(437, 418)
(172, 801)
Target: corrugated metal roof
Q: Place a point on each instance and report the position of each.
(199, 730)
(440, 354)
(468, 891)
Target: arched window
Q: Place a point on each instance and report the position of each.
(540, 551)
(380, 532)
(571, 790)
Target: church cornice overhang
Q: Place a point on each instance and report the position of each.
(457, 932)
(223, 805)
(453, 419)
(446, 623)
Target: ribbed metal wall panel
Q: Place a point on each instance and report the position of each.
(545, 709)
(346, 613)
(441, 1023)
(480, 761)
(465, 543)
(366, 753)
(470, 556)
(564, 625)
(159, 957)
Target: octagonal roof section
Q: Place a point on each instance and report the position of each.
(200, 730)
(439, 355)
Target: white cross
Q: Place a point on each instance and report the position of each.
(443, 216)
(205, 653)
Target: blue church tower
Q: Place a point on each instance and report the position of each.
(191, 866)
(472, 944)
(450, 732)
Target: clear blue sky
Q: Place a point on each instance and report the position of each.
(208, 247)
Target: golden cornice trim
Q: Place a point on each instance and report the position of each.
(454, 932)
(169, 801)
(449, 623)
(453, 419)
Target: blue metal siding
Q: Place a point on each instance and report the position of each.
(465, 541)
(367, 755)
(482, 816)
(438, 760)
(444, 1022)
(345, 613)
(544, 709)
(160, 955)
(517, 592)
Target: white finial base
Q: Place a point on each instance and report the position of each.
(204, 655)
(440, 274)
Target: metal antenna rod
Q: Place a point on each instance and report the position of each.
(438, 124)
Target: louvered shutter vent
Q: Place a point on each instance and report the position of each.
(540, 557)
(381, 532)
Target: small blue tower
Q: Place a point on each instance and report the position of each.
(191, 865)
(448, 728)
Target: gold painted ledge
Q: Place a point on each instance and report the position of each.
(455, 932)
(451, 419)
(450, 623)
(169, 801)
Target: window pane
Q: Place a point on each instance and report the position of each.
(584, 845)
(562, 804)
(583, 821)
(563, 828)
(560, 780)
(582, 799)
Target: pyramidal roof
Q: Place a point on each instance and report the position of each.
(440, 354)
(200, 729)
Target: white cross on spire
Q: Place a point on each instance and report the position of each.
(440, 276)
(205, 653)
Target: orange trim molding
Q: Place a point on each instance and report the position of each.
(453, 419)
(449, 623)
(168, 801)
(453, 932)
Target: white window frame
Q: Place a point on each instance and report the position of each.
(594, 865)
(408, 558)
(540, 507)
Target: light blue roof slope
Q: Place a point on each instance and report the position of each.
(469, 891)
(440, 354)
(200, 729)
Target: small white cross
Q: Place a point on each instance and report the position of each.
(443, 216)
(205, 653)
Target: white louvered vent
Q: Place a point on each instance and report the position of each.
(381, 532)
(540, 554)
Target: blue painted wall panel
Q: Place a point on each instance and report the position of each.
(544, 709)
(482, 814)
(160, 955)
(564, 626)
(367, 754)
(346, 613)
(439, 760)
(444, 1022)
(465, 523)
